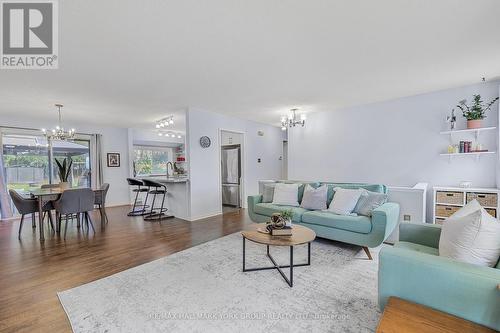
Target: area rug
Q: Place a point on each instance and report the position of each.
(203, 289)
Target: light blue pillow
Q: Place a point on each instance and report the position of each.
(368, 202)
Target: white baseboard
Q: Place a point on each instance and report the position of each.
(200, 217)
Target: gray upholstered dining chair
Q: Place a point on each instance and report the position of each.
(27, 206)
(100, 201)
(75, 201)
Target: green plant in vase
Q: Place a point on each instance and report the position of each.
(287, 216)
(64, 170)
(476, 112)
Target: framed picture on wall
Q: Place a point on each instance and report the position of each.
(113, 160)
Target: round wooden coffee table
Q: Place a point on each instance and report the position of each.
(300, 235)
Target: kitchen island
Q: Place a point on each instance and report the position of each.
(177, 195)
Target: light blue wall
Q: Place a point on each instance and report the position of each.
(395, 142)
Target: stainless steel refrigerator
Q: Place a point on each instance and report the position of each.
(231, 175)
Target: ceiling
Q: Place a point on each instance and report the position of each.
(130, 62)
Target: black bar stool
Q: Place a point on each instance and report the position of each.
(141, 188)
(156, 189)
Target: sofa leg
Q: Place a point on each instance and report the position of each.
(367, 251)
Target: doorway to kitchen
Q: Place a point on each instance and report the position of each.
(231, 170)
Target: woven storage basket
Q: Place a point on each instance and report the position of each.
(484, 199)
(446, 211)
(454, 198)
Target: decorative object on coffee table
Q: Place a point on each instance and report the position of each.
(113, 160)
(301, 235)
(279, 225)
(476, 112)
(287, 216)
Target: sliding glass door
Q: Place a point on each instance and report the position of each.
(27, 164)
(79, 152)
(25, 161)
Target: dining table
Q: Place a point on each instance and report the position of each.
(45, 195)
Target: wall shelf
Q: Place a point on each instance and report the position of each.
(477, 155)
(474, 131)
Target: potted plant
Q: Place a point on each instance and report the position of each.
(64, 169)
(287, 216)
(476, 112)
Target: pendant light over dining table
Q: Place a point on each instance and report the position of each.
(59, 133)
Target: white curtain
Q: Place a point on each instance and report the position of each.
(5, 209)
(96, 159)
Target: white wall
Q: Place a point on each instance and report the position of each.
(395, 143)
(114, 140)
(204, 163)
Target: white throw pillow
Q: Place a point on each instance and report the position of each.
(314, 198)
(344, 200)
(473, 238)
(286, 194)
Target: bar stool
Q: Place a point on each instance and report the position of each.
(157, 189)
(140, 189)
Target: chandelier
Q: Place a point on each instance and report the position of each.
(59, 133)
(165, 122)
(292, 120)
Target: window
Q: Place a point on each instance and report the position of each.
(151, 161)
(26, 160)
(79, 151)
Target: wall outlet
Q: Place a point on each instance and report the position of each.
(406, 217)
(258, 160)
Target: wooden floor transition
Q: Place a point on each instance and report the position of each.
(32, 273)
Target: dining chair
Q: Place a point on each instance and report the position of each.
(75, 201)
(27, 206)
(100, 201)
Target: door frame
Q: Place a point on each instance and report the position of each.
(242, 162)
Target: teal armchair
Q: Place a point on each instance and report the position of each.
(414, 271)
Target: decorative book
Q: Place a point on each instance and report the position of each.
(285, 231)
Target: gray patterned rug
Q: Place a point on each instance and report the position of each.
(203, 289)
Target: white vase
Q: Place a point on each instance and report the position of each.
(64, 186)
(288, 223)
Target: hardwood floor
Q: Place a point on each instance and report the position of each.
(31, 273)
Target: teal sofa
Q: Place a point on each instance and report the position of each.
(412, 270)
(359, 230)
